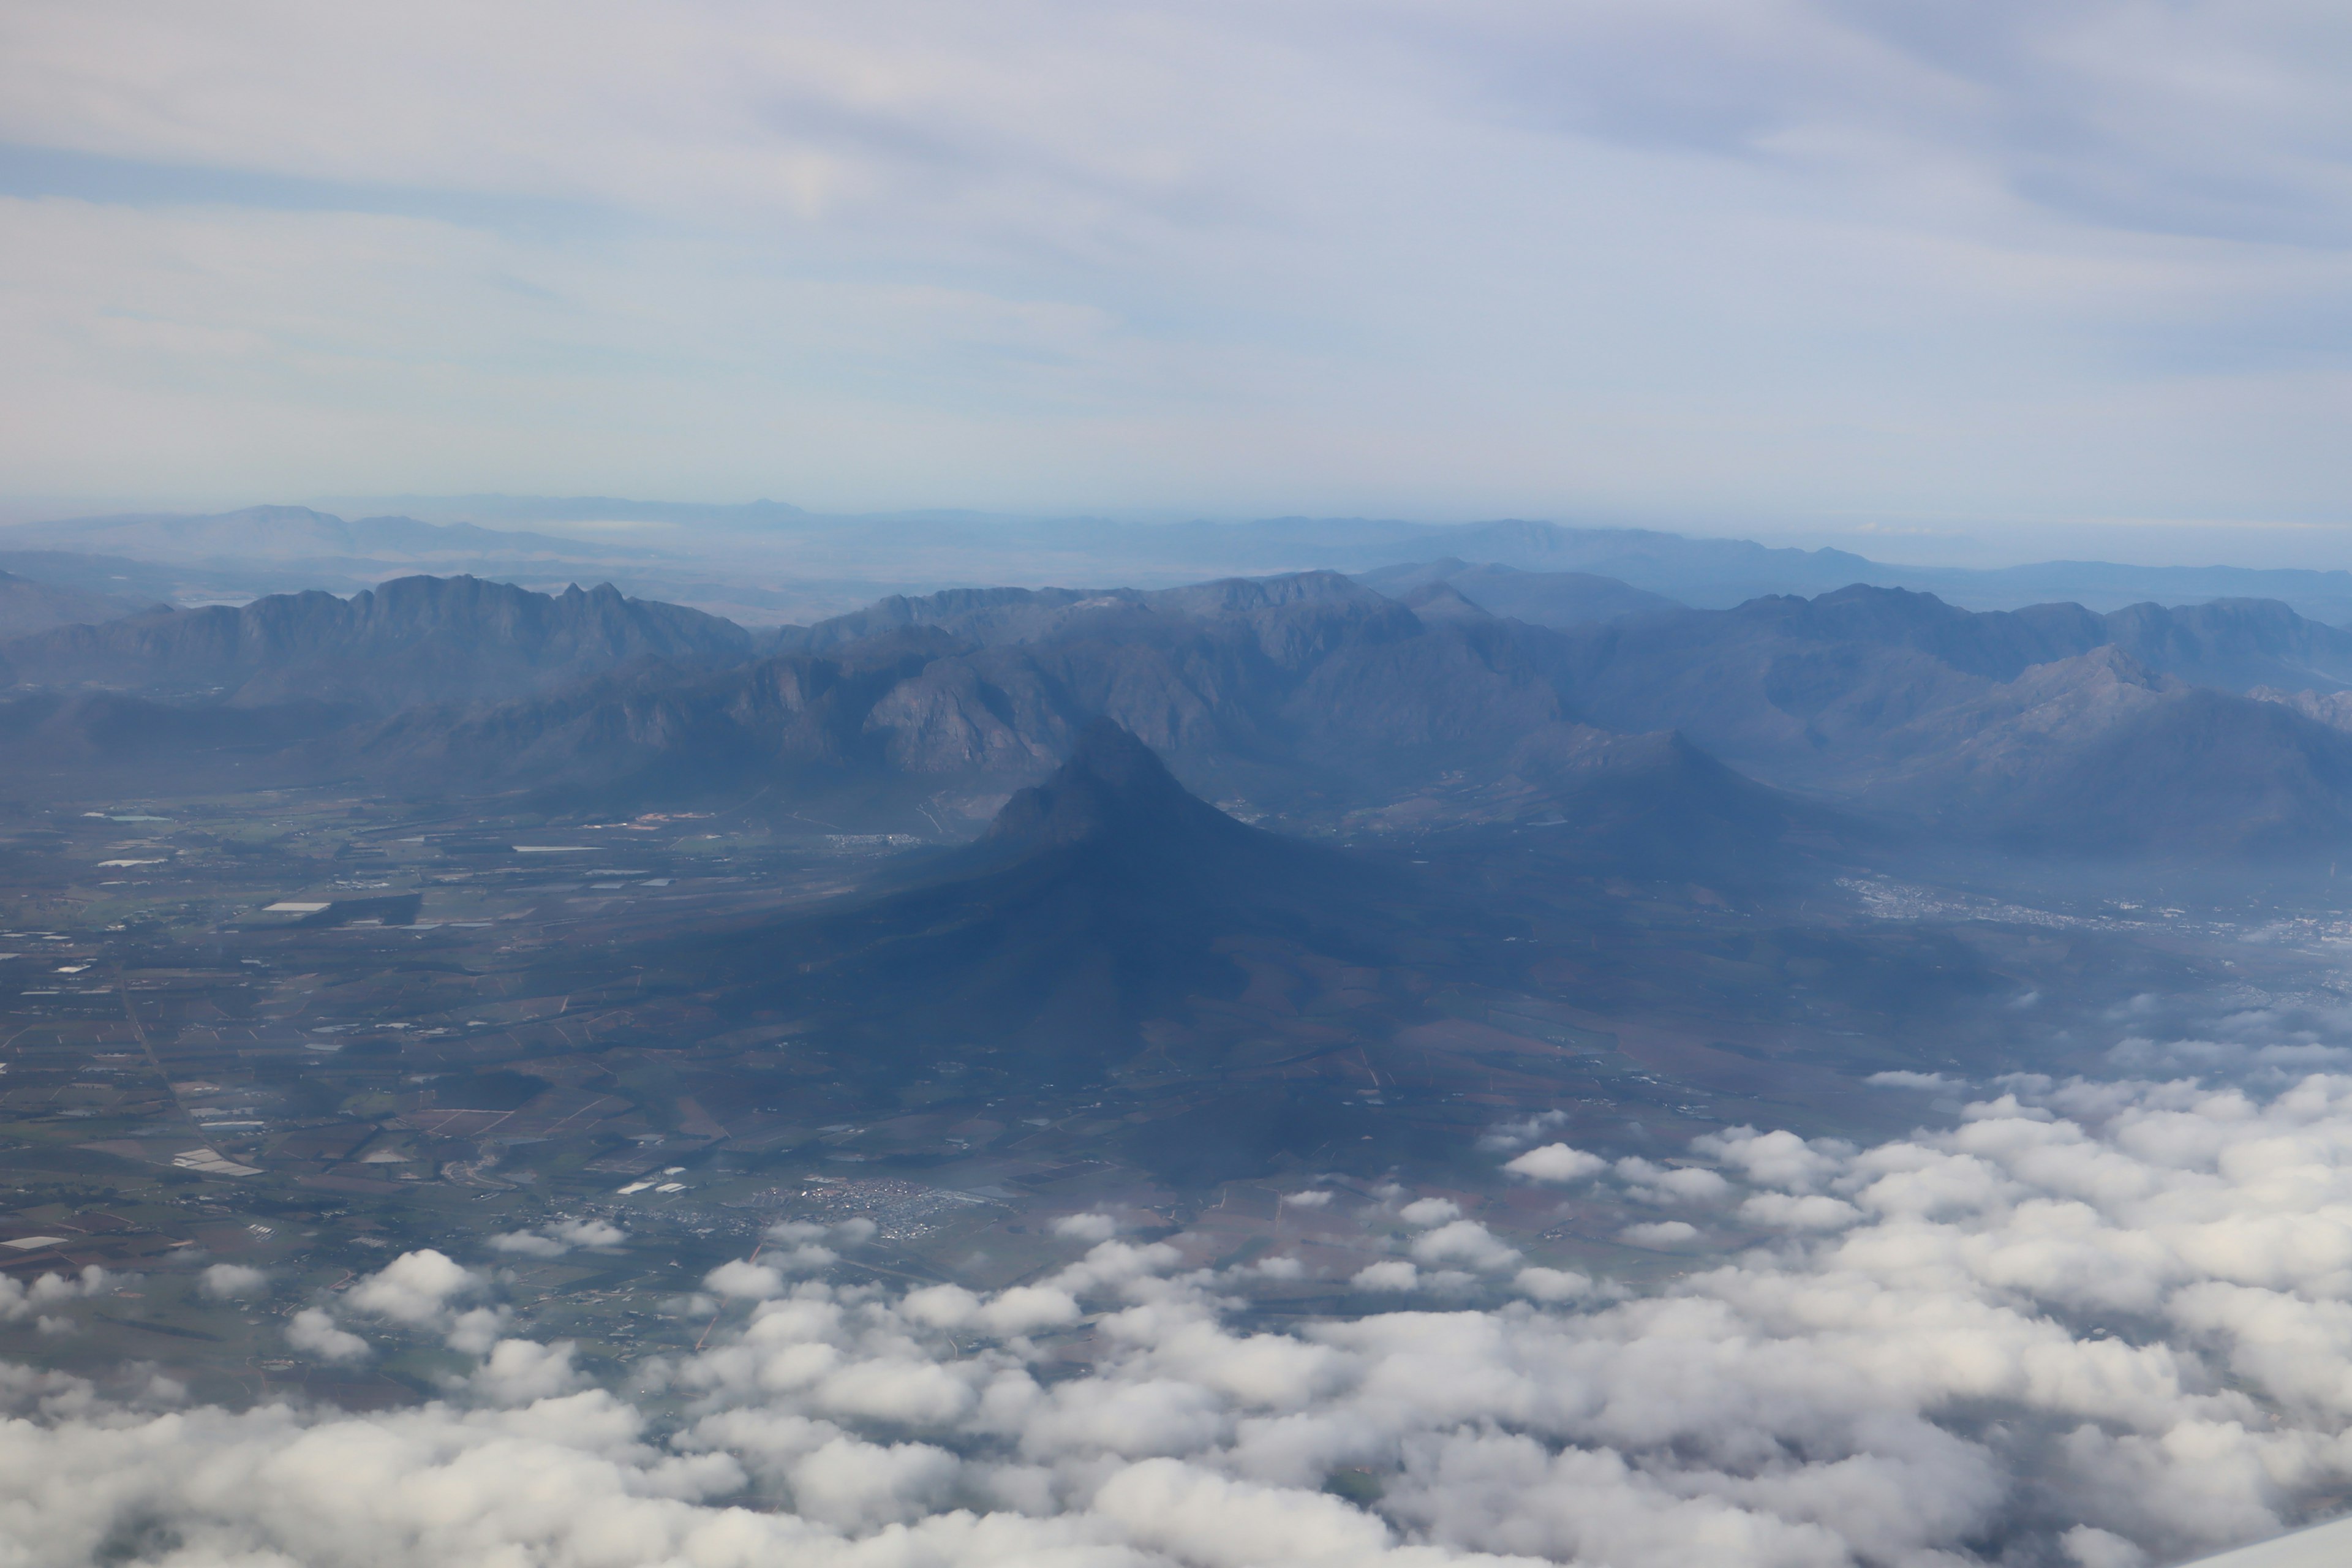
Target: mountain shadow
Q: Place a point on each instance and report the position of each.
(1097, 901)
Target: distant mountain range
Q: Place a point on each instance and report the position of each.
(767, 561)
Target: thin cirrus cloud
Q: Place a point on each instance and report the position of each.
(1796, 257)
(2096, 1324)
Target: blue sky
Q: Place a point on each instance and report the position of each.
(1820, 268)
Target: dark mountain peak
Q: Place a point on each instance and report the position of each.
(1113, 790)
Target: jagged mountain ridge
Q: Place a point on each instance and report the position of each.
(1310, 696)
(410, 639)
(1296, 686)
(1801, 687)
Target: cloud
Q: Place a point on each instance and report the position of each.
(18, 1299)
(1934, 1081)
(744, 1278)
(1556, 1162)
(416, 1287)
(1088, 1227)
(522, 1371)
(1663, 1233)
(1520, 1131)
(2107, 1324)
(555, 1240)
(1553, 1284)
(1393, 1275)
(1679, 1184)
(1465, 1242)
(313, 1330)
(227, 1281)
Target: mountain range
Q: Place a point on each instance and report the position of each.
(1306, 698)
(768, 561)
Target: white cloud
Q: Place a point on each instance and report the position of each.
(1430, 1211)
(1463, 1242)
(556, 1239)
(313, 1330)
(1087, 1227)
(1553, 1284)
(1556, 1162)
(527, 1243)
(523, 1372)
(741, 1277)
(1395, 1274)
(225, 1281)
(1677, 1185)
(416, 1287)
(1520, 1131)
(2102, 1324)
(18, 1299)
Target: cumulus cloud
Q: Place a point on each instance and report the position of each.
(416, 1287)
(227, 1281)
(313, 1330)
(1466, 1243)
(1087, 1227)
(1393, 1273)
(19, 1301)
(556, 1239)
(523, 1372)
(1676, 1185)
(1553, 1284)
(2103, 1325)
(1519, 1132)
(743, 1278)
(1556, 1162)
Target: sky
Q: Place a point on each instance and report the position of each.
(1926, 271)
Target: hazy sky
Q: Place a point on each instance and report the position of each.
(1734, 263)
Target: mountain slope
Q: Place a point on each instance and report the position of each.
(1556, 599)
(1101, 900)
(27, 606)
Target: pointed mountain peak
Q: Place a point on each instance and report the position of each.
(1113, 787)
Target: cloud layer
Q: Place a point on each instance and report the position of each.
(2101, 1324)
